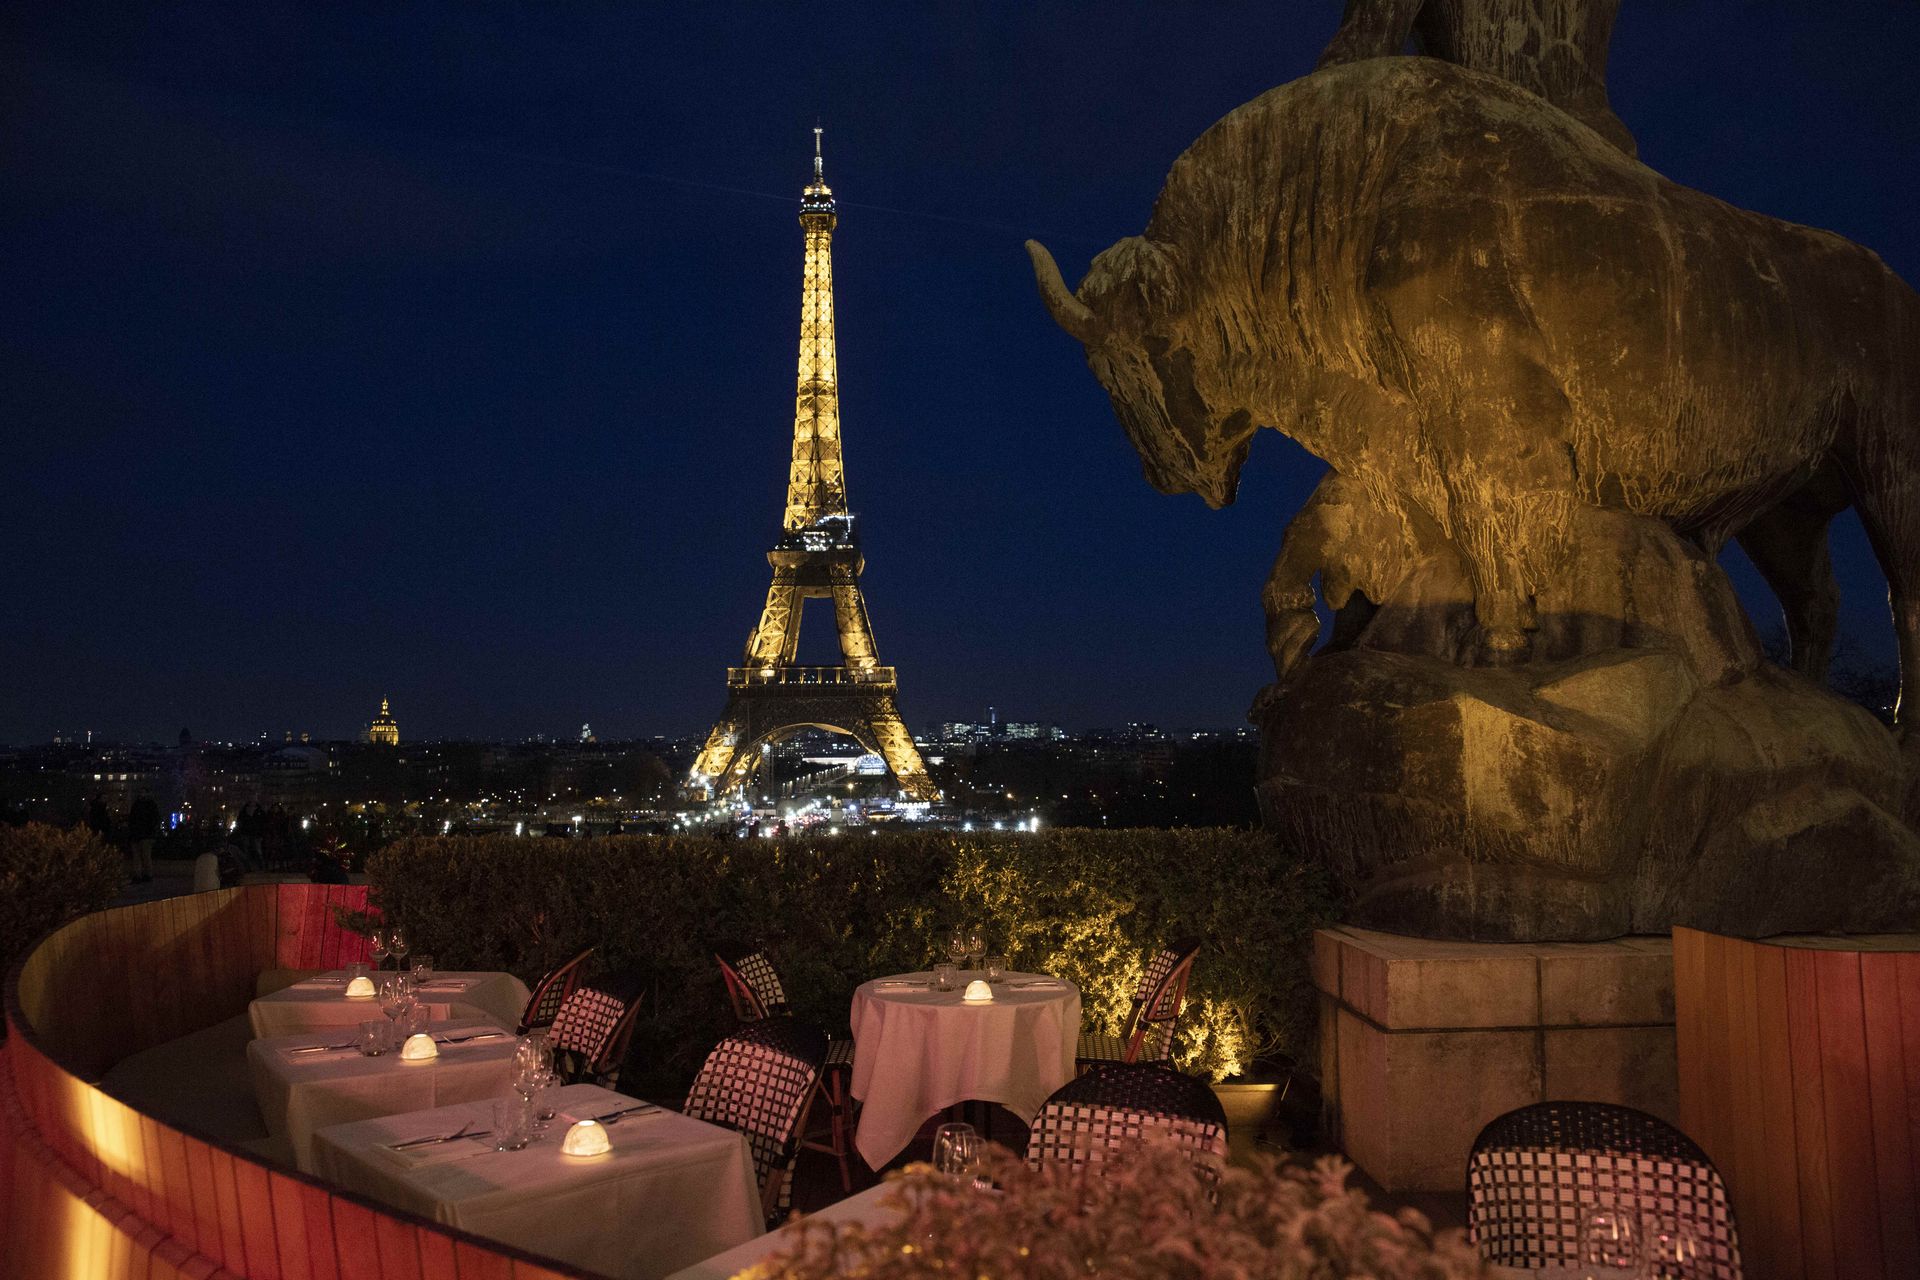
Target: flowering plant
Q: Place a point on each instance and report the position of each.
(1148, 1216)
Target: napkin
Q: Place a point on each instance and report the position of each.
(432, 1153)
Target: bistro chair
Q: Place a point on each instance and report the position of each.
(543, 1006)
(1532, 1171)
(1117, 1105)
(591, 1033)
(761, 1081)
(1155, 1015)
(754, 987)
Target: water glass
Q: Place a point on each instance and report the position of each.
(1610, 1247)
(512, 1123)
(422, 969)
(418, 1017)
(956, 1151)
(996, 968)
(373, 1038)
(358, 969)
(544, 1106)
(943, 975)
(1673, 1251)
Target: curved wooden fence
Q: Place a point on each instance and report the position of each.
(92, 1189)
(1800, 1075)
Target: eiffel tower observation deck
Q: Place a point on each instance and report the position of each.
(817, 556)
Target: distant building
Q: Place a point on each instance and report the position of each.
(385, 730)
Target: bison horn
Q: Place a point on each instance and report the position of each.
(1068, 311)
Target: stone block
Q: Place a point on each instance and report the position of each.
(1422, 1042)
(1632, 1065)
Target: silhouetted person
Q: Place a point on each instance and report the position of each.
(99, 820)
(143, 828)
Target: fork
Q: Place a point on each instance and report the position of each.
(463, 1132)
(321, 1048)
(614, 1117)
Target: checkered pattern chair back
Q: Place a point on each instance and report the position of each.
(543, 1006)
(590, 1036)
(1118, 1105)
(760, 1081)
(753, 984)
(1533, 1171)
(1158, 1003)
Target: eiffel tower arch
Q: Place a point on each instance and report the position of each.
(769, 696)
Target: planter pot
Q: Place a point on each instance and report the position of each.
(1251, 1105)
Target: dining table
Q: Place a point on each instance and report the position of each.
(864, 1207)
(671, 1191)
(919, 1050)
(321, 1002)
(307, 1082)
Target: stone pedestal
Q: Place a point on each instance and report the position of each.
(1422, 1043)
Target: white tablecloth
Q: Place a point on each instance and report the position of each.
(917, 1051)
(301, 1092)
(863, 1207)
(321, 1002)
(672, 1191)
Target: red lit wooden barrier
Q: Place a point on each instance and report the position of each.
(1800, 1074)
(90, 1187)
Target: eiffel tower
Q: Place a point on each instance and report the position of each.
(817, 556)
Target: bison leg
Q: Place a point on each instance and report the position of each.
(1885, 472)
(1293, 623)
(1788, 545)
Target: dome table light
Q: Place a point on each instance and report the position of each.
(419, 1047)
(978, 992)
(586, 1138)
(361, 988)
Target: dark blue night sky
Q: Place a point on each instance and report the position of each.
(446, 352)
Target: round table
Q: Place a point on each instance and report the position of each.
(917, 1051)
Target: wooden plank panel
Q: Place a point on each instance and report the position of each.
(354, 1242)
(226, 1203)
(293, 923)
(1809, 1116)
(206, 1207)
(1843, 1084)
(313, 934)
(476, 1263)
(1690, 1044)
(1907, 967)
(262, 903)
(290, 1226)
(321, 1253)
(335, 897)
(1769, 1217)
(174, 1188)
(1887, 1105)
(436, 1256)
(399, 1255)
(1749, 1136)
(255, 1198)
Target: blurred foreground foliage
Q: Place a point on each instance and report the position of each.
(49, 875)
(834, 911)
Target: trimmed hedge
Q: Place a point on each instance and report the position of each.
(48, 876)
(836, 910)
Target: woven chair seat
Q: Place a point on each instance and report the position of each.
(840, 1053)
(1098, 1046)
(1094, 1117)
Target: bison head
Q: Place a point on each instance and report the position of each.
(1159, 363)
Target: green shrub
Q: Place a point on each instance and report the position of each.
(48, 876)
(836, 910)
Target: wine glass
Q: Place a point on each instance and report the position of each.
(976, 947)
(956, 946)
(956, 1151)
(394, 997)
(397, 943)
(1610, 1246)
(543, 1104)
(377, 947)
(1673, 1251)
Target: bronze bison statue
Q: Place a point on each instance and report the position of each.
(1492, 324)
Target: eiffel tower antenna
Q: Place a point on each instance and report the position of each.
(818, 556)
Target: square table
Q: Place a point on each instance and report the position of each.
(863, 1207)
(300, 1089)
(321, 1003)
(672, 1191)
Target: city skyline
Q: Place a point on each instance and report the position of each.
(460, 372)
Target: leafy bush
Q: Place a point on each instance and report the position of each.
(1145, 1217)
(48, 876)
(836, 910)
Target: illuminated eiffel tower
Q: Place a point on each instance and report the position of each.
(817, 556)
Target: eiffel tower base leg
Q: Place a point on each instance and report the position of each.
(757, 715)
